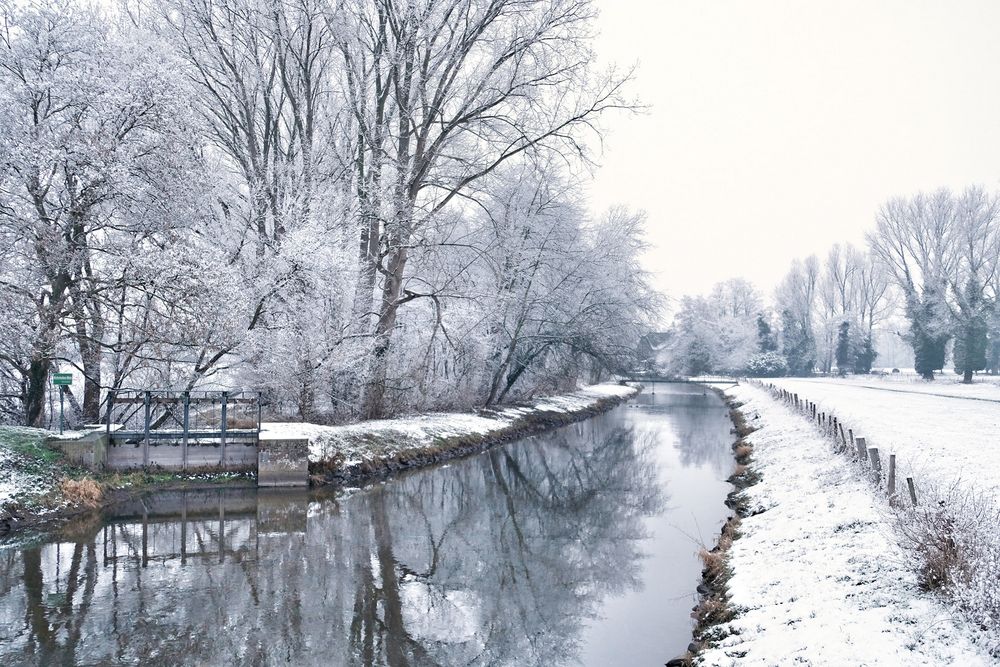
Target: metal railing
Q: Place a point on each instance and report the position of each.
(182, 418)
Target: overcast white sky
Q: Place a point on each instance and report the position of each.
(777, 128)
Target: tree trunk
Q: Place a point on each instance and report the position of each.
(50, 313)
(373, 405)
(34, 392)
(367, 268)
(90, 355)
(967, 377)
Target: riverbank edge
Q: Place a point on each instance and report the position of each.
(321, 474)
(714, 606)
(324, 473)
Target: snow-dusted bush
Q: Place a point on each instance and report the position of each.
(952, 534)
(766, 365)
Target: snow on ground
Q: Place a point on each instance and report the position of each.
(23, 476)
(817, 575)
(374, 439)
(937, 439)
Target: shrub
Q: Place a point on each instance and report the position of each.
(953, 536)
(83, 491)
(929, 532)
(766, 365)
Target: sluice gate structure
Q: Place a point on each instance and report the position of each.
(188, 432)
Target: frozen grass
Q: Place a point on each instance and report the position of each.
(952, 539)
(372, 440)
(818, 575)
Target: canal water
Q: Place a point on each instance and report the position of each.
(578, 546)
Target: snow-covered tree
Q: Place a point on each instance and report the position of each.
(717, 333)
(357, 207)
(98, 175)
(942, 250)
(795, 299)
(444, 93)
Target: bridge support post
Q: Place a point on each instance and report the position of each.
(146, 399)
(225, 401)
(187, 423)
(282, 461)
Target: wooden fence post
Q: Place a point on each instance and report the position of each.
(913, 491)
(876, 463)
(891, 482)
(862, 450)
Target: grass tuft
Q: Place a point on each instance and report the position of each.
(84, 491)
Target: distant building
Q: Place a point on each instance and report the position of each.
(653, 349)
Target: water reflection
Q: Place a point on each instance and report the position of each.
(499, 559)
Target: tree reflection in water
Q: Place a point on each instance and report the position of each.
(498, 559)
(698, 419)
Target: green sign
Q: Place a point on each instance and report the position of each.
(62, 379)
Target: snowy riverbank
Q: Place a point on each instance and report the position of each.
(354, 452)
(32, 475)
(817, 574)
(28, 472)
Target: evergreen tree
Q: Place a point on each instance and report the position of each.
(798, 346)
(971, 337)
(929, 333)
(993, 365)
(698, 358)
(766, 341)
(843, 346)
(865, 356)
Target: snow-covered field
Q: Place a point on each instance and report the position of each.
(984, 387)
(941, 432)
(818, 576)
(371, 440)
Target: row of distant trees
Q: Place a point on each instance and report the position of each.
(358, 207)
(932, 260)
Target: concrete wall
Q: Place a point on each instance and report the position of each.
(283, 462)
(90, 451)
(169, 456)
(278, 461)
